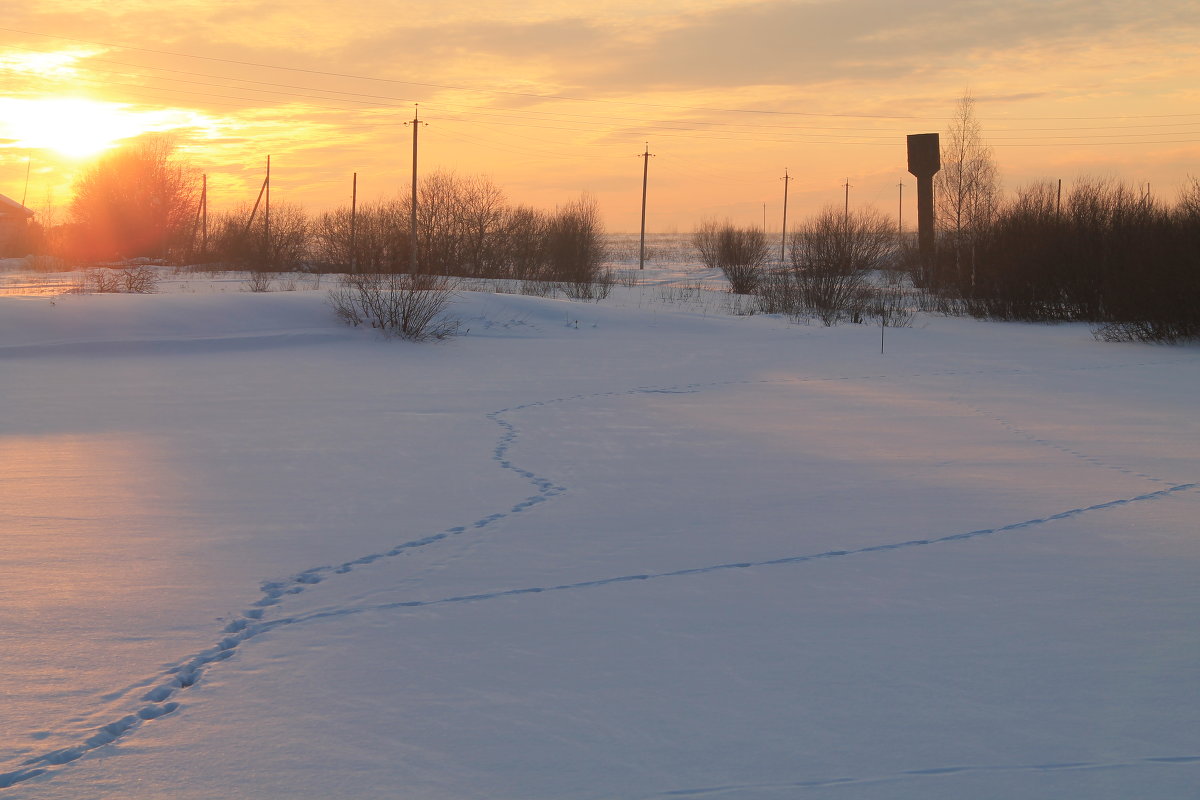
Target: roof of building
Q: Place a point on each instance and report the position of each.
(11, 208)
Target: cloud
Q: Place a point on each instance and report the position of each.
(782, 42)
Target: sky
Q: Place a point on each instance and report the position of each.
(551, 100)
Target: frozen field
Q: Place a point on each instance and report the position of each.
(637, 549)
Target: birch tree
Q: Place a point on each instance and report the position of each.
(967, 189)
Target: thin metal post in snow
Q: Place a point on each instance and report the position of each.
(646, 156)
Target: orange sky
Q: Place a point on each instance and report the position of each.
(555, 99)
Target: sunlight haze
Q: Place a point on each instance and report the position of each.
(554, 99)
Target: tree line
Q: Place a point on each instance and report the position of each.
(143, 201)
(1102, 252)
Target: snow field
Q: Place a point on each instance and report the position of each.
(590, 551)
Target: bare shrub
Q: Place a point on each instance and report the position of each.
(535, 287)
(739, 253)
(830, 256)
(139, 279)
(258, 281)
(779, 293)
(242, 240)
(520, 248)
(890, 306)
(575, 250)
(287, 245)
(133, 279)
(598, 288)
(403, 305)
(99, 280)
(1111, 255)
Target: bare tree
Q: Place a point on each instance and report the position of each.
(967, 189)
(457, 219)
(135, 201)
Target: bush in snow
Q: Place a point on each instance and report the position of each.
(739, 253)
(831, 255)
(133, 279)
(408, 306)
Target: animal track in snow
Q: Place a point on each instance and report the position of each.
(931, 772)
(159, 700)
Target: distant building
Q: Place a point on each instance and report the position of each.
(14, 218)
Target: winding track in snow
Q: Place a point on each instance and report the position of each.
(159, 701)
(911, 774)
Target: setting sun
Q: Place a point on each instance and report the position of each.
(72, 127)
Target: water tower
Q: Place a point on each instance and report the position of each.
(924, 160)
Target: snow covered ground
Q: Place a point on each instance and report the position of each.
(638, 549)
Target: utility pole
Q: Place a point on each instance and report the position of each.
(258, 202)
(267, 218)
(412, 223)
(28, 164)
(783, 236)
(353, 221)
(846, 213)
(204, 217)
(201, 221)
(1058, 200)
(646, 156)
(900, 213)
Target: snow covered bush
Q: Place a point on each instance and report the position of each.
(408, 306)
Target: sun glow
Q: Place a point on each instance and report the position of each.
(72, 127)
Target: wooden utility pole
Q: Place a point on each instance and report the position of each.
(267, 217)
(201, 221)
(412, 223)
(646, 156)
(25, 194)
(353, 221)
(900, 214)
(846, 213)
(204, 217)
(1058, 200)
(783, 236)
(258, 202)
